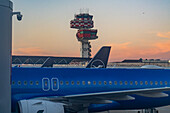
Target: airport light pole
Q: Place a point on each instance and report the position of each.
(6, 13)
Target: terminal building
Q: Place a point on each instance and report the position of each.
(58, 61)
(140, 62)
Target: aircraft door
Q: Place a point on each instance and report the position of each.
(45, 84)
(55, 84)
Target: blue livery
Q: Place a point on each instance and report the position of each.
(125, 88)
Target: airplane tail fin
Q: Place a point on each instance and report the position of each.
(100, 59)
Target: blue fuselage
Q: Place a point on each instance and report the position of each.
(30, 83)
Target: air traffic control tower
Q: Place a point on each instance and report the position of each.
(84, 22)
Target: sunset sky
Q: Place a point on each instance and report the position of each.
(134, 28)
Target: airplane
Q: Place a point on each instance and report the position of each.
(92, 89)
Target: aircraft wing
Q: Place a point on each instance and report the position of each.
(108, 97)
(123, 92)
(80, 101)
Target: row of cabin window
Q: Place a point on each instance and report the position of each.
(115, 83)
(94, 83)
(25, 83)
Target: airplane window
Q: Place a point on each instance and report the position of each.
(126, 82)
(115, 82)
(67, 83)
(120, 82)
(156, 83)
(89, 82)
(131, 82)
(100, 82)
(13, 82)
(146, 83)
(105, 82)
(55, 83)
(19, 82)
(78, 82)
(94, 82)
(61, 82)
(110, 82)
(166, 83)
(72, 82)
(83, 82)
(25, 82)
(36, 82)
(136, 82)
(31, 83)
(161, 83)
(151, 83)
(141, 83)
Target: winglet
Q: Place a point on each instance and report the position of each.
(48, 62)
(100, 59)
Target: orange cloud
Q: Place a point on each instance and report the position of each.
(163, 47)
(128, 51)
(163, 34)
(122, 45)
(119, 51)
(36, 51)
(30, 51)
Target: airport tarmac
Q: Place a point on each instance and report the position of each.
(165, 109)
